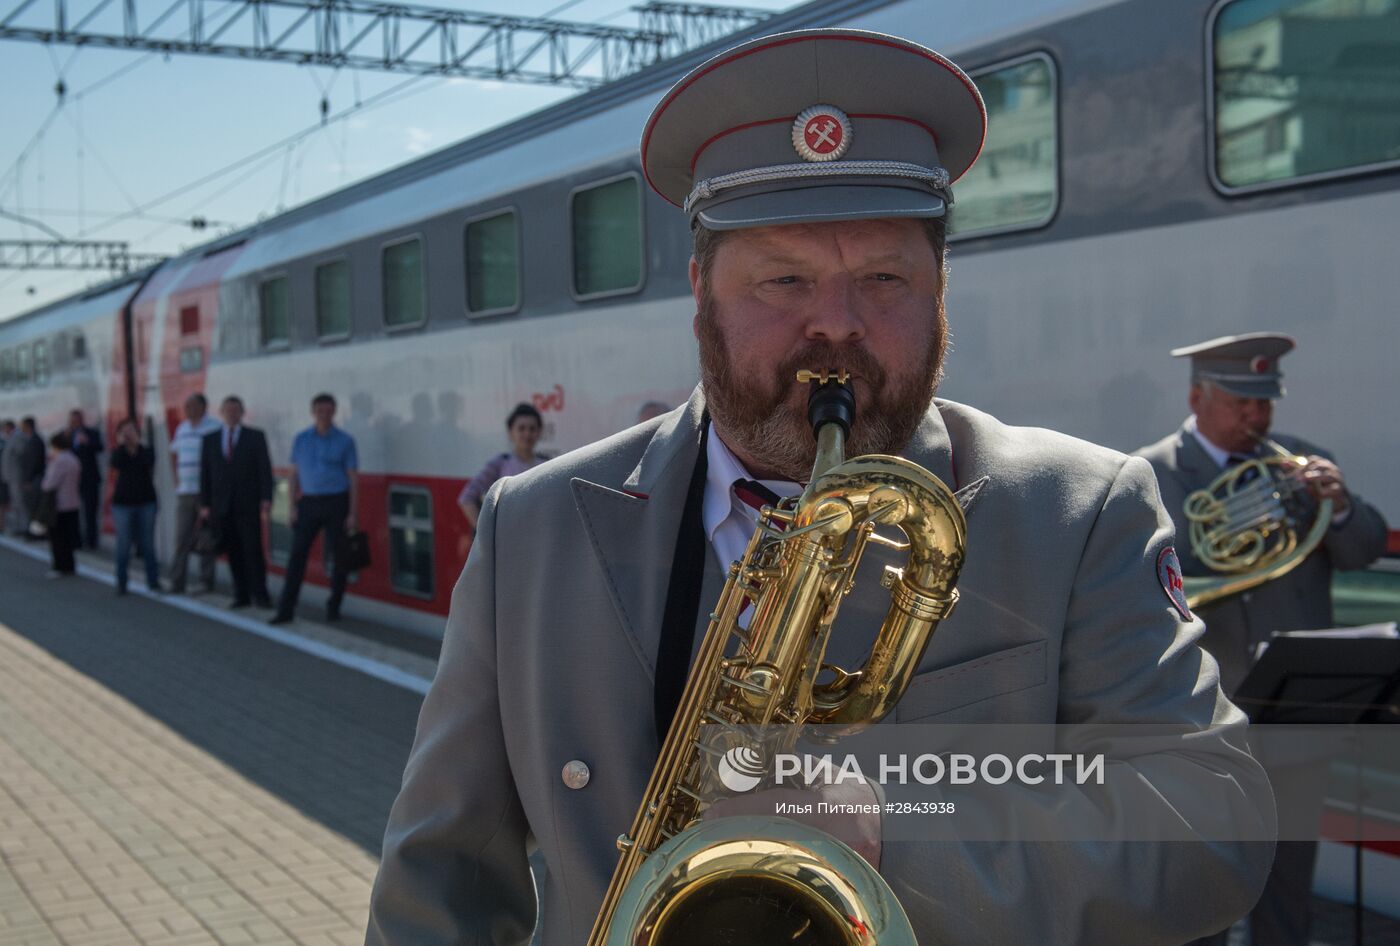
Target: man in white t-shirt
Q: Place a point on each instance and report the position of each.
(186, 446)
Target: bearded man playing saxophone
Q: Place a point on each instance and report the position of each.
(819, 240)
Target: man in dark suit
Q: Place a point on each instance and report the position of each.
(87, 446)
(1234, 383)
(235, 491)
(32, 461)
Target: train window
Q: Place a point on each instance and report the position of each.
(191, 359)
(7, 368)
(79, 350)
(1013, 185)
(491, 246)
(333, 300)
(411, 541)
(607, 237)
(403, 283)
(189, 320)
(275, 297)
(22, 364)
(1303, 90)
(41, 362)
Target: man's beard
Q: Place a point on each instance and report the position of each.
(760, 420)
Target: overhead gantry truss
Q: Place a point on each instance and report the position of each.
(112, 256)
(393, 37)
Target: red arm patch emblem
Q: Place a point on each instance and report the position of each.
(1169, 574)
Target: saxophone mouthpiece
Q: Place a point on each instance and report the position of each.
(832, 400)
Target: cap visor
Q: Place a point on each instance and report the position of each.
(816, 204)
(1270, 390)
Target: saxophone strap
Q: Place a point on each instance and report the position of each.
(683, 592)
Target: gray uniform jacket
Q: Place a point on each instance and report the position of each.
(1302, 599)
(549, 657)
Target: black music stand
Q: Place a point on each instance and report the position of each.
(1327, 680)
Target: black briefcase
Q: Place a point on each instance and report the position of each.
(207, 538)
(354, 551)
(46, 509)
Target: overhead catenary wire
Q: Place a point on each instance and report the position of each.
(270, 153)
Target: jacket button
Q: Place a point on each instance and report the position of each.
(575, 774)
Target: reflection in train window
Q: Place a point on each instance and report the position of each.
(403, 283)
(333, 300)
(276, 308)
(7, 368)
(1304, 89)
(492, 250)
(1013, 183)
(22, 364)
(41, 362)
(411, 541)
(279, 522)
(607, 238)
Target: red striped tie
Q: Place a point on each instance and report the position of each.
(754, 494)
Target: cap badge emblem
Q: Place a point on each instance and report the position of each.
(821, 133)
(1260, 364)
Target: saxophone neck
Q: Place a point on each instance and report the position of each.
(831, 451)
(831, 409)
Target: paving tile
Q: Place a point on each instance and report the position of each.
(174, 783)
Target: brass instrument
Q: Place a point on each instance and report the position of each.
(771, 879)
(1251, 525)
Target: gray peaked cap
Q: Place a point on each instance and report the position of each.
(814, 125)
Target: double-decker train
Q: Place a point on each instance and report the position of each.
(1155, 174)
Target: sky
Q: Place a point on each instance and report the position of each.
(132, 151)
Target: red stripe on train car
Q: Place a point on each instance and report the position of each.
(1382, 837)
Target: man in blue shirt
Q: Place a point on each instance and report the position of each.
(325, 494)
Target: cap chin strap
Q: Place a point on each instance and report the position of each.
(935, 177)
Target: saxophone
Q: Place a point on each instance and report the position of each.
(768, 879)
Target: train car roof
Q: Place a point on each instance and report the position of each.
(76, 309)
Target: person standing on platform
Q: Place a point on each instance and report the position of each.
(325, 485)
(523, 426)
(235, 493)
(88, 447)
(1235, 381)
(187, 446)
(132, 463)
(30, 463)
(64, 476)
(815, 168)
(7, 432)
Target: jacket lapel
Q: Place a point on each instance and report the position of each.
(632, 527)
(1194, 467)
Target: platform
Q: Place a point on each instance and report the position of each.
(174, 774)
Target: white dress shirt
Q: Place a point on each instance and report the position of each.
(729, 521)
